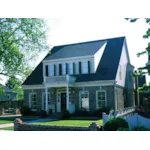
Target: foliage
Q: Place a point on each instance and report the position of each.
(140, 128)
(123, 129)
(101, 110)
(43, 113)
(25, 111)
(15, 85)
(145, 36)
(132, 19)
(65, 114)
(50, 111)
(20, 41)
(114, 124)
(81, 113)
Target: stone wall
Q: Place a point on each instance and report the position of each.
(92, 96)
(20, 126)
(119, 98)
(74, 97)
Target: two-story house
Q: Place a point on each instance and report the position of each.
(87, 75)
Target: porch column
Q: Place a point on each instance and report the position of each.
(67, 97)
(46, 99)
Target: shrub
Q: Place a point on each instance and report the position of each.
(43, 113)
(114, 124)
(123, 129)
(101, 110)
(25, 111)
(81, 113)
(50, 111)
(140, 128)
(65, 114)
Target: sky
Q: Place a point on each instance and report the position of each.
(74, 30)
(66, 31)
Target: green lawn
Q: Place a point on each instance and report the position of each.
(70, 122)
(8, 128)
(6, 121)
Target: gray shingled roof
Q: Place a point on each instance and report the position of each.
(75, 50)
(107, 68)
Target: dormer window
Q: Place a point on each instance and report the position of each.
(70, 68)
(64, 68)
(51, 70)
(85, 67)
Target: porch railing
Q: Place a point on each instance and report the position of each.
(66, 78)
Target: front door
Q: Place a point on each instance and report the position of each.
(63, 101)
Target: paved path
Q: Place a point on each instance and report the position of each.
(32, 121)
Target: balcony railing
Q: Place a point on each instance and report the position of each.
(53, 79)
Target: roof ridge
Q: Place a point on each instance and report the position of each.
(89, 41)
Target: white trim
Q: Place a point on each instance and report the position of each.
(40, 86)
(30, 100)
(95, 83)
(76, 84)
(68, 59)
(80, 100)
(43, 99)
(58, 104)
(97, 107)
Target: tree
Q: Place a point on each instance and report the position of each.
(21, 40)
(15, 84)
(140, 71)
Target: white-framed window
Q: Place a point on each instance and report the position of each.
(44, 100)
(76, 68)
(84, 100)
(64, 68)
(33, 101)
(70, 68)
(51, 70)
(85, 67)
(101, 98)
(8, 96)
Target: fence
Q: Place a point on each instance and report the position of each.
(132, 118)
(20, 126)
(11, 104)
(10, 107)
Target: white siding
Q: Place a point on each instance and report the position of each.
(98, 56)
(76, 61)
(123, 63)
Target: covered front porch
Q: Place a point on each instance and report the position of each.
(61, 88)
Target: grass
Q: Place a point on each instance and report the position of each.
(8, 128)
(6, 121)
(70, 122)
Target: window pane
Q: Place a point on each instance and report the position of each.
(33, 101)
(101, 104)
(64, 69)
(70, 68)
(85, 67)
(84, 101)
(51, 70)
(101, 99)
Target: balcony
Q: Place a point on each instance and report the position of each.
(60, 79)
